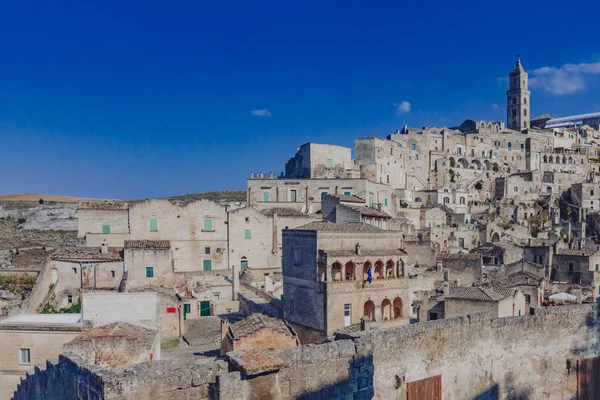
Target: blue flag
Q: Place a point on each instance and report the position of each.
(370, 274)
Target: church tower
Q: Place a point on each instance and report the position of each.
(517, 99)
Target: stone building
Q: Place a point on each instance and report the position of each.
(343, 209)
(79, 269)
(463, 269)
(116, 345)
(257, 331)
(579, 266)
(325, 276)
(497, 302)
(517, 99)
(149, 263)
(313, 160)
(103, 222)
(586, 195)
(30, 339)
(530, 284)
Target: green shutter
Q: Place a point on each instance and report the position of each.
(208, 227)
(207, 265)
(248, 234)
(105, 228)
(266, 196)
(149, 272)
(347, 193)
(385, 202)
(244, 264)
(153, 225)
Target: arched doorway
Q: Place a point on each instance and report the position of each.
(386, 310)
(366, 267)
(378, 270)
(369, 310)
(389, 269)
(321, 272)
(243, 263)
(336, 272)
(495, 237)
(350, 271)
(397, 307)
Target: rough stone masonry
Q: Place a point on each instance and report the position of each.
(534, 357)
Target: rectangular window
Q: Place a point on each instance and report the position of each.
(416, 156)
(207, 250)
(510, 145)
(105, 228)
(527, 298)
(207, 265)
(324, 192)
(216, 296)
(293, 196)
(24, 356)
(297, 257)
(149, 272)
(248, 234)
(522, 146)
(153, 225)
(208, 226)
(516, 188)
(385, 202)
(112, 273)
(347, 193)
(74, 270)
(266, 197)
(69, 299)
(597, 267)
(570, 268)
(435, 149)
(330, 162)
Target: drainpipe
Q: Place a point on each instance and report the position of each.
(306, 198)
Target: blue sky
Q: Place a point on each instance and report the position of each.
(147, 99)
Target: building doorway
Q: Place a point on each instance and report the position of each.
(347, 314)
(205, 308)
(369, 310)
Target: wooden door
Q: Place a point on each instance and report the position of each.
(425, 389)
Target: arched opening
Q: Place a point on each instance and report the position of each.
(417, 199)
(476, 164)
(446, 200)
(366, 267)
(243, 263)
(386, 310)
(461, 200)
(369, 310)
(495, 167)
(452, 162)
(495, 237)
(487, 164)
(378, 270)
(545, 159)
(336, 272)
(389, 269)
(397, 307)
(463, 163)
(350, 269)
(564, 160)
(551, 160)
(570, 161)
(321, 272)
(506, 168)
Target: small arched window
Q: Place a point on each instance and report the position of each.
(413, 146)
(462, 200)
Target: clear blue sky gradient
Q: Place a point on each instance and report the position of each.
(147, 99)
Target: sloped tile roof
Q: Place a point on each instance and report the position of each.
(147, 244)
(86, 254)
(476, 293)
(327, 226)
(282, 212)
(255, 323)
(370, 212)
(103, 205)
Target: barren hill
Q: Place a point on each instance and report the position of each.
(46, 197)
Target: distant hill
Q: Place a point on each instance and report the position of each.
(218, 196)
(46, 197)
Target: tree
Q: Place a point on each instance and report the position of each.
(41, 201)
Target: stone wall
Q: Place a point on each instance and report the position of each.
(476, 357)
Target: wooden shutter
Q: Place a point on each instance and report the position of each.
(425, 389)
(248, 234)
(207, 265)
(153, 225)
(208, 227)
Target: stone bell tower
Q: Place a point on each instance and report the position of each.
(517, 99)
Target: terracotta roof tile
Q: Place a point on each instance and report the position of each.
(476, 293)
(86, 254)
(255, 323)
(104, 205)
(327, 226)
(282, 212)
(147, 244)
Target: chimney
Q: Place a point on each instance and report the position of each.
(357, 249)
(104, 248)
(235, 278)
(446, 288)
(267, 282)
(224, 327)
